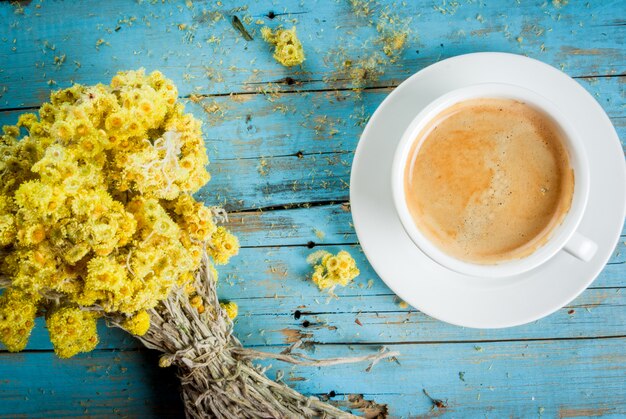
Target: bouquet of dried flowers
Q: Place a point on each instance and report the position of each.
(97, 219)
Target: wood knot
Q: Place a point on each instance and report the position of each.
(289, 81)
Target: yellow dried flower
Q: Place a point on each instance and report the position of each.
(96, 211)
(214, 273)
(195, 301)
(104, 273)
(165, 361)
(231, 309)
(194, 217)
(288, 48)
(138, 324)
(17, 318)
(72, 330)
(332, 270)
(26, 120)
(223, 246)
(7, 229)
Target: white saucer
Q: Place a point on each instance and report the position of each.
(444, 294)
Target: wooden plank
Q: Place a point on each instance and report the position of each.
(260, 126)
(241, 184)
(102, 384)
(249, 179)
(301, 226)
(501, 379)
(284, 319)
(378, 319)
(272, 280)
(110, 339)
(320, 224)
(266, 272)
(254, 126)
(556, 378)
(211, 57)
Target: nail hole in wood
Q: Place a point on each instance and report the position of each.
(271, 14)
(297, 314)
(310, 245)
(306, 323)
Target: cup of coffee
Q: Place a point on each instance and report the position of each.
(491, 180)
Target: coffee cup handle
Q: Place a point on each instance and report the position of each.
(581, 247)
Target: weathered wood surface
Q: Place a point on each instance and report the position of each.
(552, 378)
(286, 138)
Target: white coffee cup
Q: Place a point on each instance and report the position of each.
(563, 237)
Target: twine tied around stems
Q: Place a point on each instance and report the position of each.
(217, 376)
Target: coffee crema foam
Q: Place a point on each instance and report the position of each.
(488, 180)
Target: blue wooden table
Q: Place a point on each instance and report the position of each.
(281, 143)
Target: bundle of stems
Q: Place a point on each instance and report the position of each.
(217, 376)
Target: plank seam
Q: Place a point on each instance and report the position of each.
(294, 91)
(372, 343)
(295, 205)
